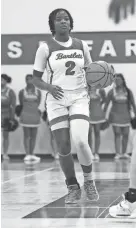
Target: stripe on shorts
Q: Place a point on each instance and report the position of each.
(57, 126)
(59, 119)
(79, 116)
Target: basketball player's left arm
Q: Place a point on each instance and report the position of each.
(12, 98)
(132, 100)
(87, 56)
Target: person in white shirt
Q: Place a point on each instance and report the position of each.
(65, 59)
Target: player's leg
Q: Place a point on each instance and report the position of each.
(33, 137)
(125, 137)
(5, 144)
(117, 141)
(62, 138)
(97, 141)
(127, 208)
(79, 126)
(58, 119)
(54, 146)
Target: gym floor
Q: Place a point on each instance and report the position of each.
(33, 196)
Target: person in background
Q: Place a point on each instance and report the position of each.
(97, 116)
(119, 10)
(30, 99)
(127, 207)
(8, 104)
(120, 115)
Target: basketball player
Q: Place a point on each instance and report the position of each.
(127, 208)
(30, 98)
(97, 116)
(122, 102)
(66, 59)
(8, 103)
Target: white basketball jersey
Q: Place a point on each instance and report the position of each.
(65, 65)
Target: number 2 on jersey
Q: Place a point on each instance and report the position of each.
(70, 65)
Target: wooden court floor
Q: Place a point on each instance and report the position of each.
(33, 196)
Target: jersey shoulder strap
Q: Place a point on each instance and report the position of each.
(53, 46)
(77, 44)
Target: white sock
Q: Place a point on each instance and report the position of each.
(88, 176)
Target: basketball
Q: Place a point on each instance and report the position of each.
(100, 74)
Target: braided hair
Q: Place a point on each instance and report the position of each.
(127, 89)
(52, 17)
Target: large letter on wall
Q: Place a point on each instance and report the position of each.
(90, 43)
(108, 49)
(15, 50)
(130, 47)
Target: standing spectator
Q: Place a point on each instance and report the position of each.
(30, 98)
(8, 103)
(120, 115)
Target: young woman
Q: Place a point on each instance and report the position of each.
(122, 103)
(97, 116)
(65, 59)
(30, 99)
(8, 103)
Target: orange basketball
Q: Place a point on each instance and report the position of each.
(100, 74)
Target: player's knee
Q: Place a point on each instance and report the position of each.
(64, 147)
(80, 141)
(82, 145)
(80, 136)
(84, 153)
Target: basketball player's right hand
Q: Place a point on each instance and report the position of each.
(56, 91)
